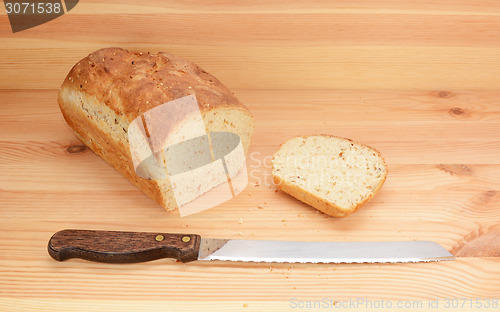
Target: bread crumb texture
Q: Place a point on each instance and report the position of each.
(333, 174)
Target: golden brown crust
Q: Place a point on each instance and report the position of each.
(321, 204)
(317, 202)
(131, 83)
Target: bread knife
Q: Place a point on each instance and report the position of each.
(131, 247)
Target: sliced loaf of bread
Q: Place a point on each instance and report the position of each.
(113, 91)
(335, 175)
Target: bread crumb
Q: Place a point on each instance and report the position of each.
(245, 305)
(260, 207)
(240, 220)
(233, 233)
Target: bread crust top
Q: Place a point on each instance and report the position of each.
(131, 83)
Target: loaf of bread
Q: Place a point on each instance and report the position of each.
(113, 90)
(334, 175)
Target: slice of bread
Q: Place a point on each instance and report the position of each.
(334, 175)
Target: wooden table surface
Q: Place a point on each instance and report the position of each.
(418, 80)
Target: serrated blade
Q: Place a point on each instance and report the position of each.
(321, 252)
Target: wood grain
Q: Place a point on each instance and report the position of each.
(418, 80)
(311, 67)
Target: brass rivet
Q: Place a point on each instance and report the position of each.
(186, 239)
(159, 238)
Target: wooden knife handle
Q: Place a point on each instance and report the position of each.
(122, 247)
